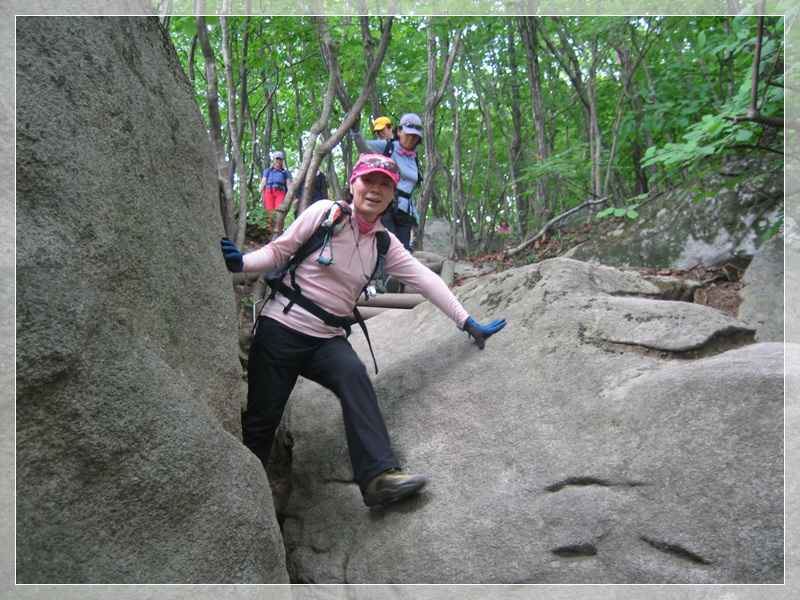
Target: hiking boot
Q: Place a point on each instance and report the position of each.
(392, 485)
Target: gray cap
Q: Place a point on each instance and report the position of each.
(412, 124)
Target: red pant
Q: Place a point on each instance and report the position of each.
(273, 197)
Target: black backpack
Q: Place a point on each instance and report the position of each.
(336, 219)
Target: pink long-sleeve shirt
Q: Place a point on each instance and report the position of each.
(337, 287)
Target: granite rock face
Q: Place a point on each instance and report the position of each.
(604, 436)
(128, 382)
(763, 296)
(732, 212)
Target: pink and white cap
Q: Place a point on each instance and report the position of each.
(372, 163)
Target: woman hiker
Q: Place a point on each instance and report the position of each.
(402, 216)
(293, 342)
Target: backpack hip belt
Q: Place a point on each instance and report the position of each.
(295, 297)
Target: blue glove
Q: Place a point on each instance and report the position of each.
(232, 256)
(482, 332)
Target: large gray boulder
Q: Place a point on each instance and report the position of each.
(674, 231)
(762, 296)
(792, 278)
(436, 237)
(604, 436)
(128, 382)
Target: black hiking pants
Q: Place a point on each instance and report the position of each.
(400, 223)
(278, 356)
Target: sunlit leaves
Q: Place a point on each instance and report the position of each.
(693, 79)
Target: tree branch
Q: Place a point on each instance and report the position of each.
(313, 154)
(551, 222)
(757, 118)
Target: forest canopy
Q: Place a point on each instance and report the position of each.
(524, 117)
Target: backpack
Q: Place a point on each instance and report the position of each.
(320, 191)
(334, 222)
(282, 171)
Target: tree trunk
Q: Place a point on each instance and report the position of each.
(528, 28)
(596, 137)
(515, 145)
(458, 201)
(233, 125)
(226, 202)
(433, 96)
(629, 67)
(369, 57)
(313, 153)
(587, 93)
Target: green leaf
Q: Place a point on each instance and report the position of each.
(189, 28)
(632, 214)
(705, 194)
(606, 212)
(743, 135)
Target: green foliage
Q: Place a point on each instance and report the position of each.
(723, 130)
(260, 216)
(626, 211)
(693, 77)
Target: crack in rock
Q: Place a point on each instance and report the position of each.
(575, 550)
(676, 550)
(721, 342)
(585, 481)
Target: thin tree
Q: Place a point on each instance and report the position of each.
(433, 96)
(235, 119)
(313, 154)
(528, 29)
(226, 201)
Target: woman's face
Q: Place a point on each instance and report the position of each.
(407, 140)
(372, 194)
(385, 133)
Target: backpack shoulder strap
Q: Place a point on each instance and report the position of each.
(382, 245)
(389, 148)
(333, 223)
(382, 242)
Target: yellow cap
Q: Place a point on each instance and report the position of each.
(381, 123)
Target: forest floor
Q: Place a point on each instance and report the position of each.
(717, 287)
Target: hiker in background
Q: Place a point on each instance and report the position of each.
(402, 217)
(382, 128)
(274, 183)
(318, 192)
(504, 229)
(291, 341)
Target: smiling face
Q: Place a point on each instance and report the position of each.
(372, 193)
